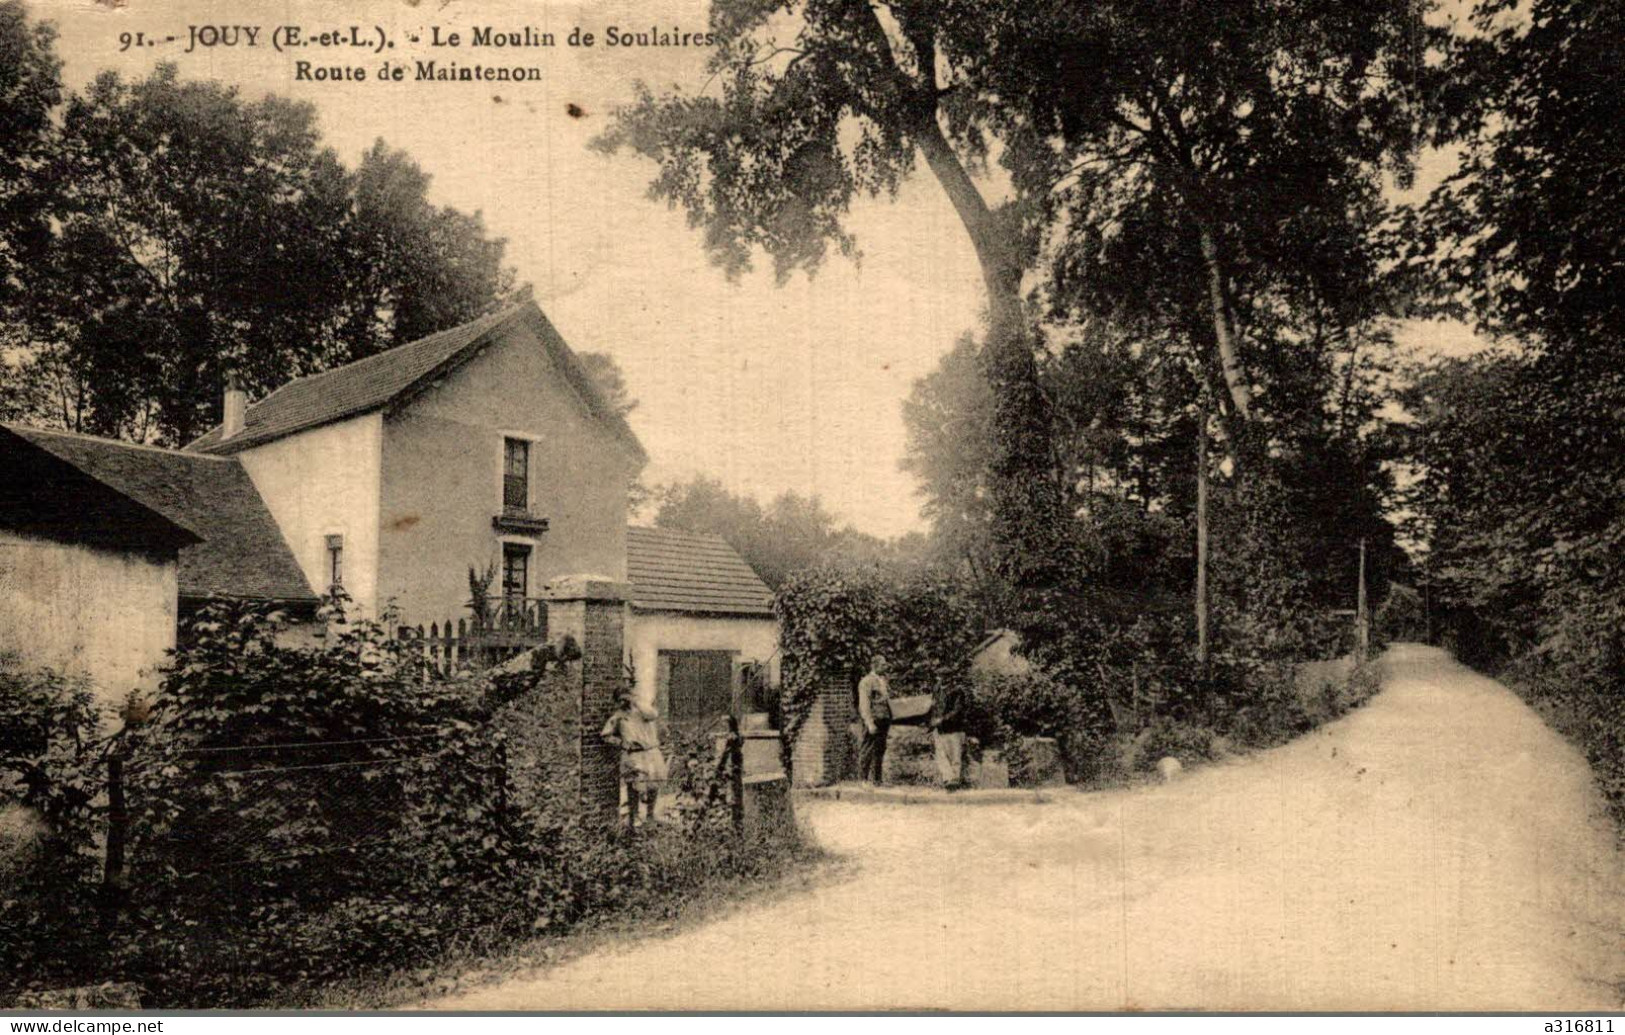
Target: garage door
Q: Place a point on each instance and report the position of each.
(698, 684)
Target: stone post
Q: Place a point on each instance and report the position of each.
(592, 611)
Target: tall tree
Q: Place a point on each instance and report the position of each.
(1525, 450)
(30, 89)
(197, 234)
(413, 268)
(1214, 166)
(948, 419)
(846, 106)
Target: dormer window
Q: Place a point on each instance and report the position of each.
(515, 474)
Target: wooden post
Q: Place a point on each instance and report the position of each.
(1134, 694)
(736, 778)
(1362, 614)
(118, 831)
(1201, 535)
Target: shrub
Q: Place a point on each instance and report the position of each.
(258, 868)
(1582, 696)
(1003, 707)
(1267, 708)
(50, 757)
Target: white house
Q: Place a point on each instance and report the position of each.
(486, 446)
(483, 445)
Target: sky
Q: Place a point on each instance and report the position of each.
(767, 387)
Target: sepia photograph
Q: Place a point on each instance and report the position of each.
(1102, 507)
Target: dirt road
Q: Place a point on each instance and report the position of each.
(1438, 849)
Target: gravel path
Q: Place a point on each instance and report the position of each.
(1439, 849)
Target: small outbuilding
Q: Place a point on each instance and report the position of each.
(999, 654)
(88, 573)
(242, 554)
(698, 615)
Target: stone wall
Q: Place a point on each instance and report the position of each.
(543, 729)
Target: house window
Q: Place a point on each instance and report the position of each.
(515, 571)
(335, 560)
(515, 474)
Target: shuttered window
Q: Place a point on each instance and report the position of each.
(515, 474)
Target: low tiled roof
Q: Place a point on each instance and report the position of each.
(43, 494)
(397, 375)
(691, 572)
(242, 553)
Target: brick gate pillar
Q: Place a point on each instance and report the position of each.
(592, 611)
(824, 750)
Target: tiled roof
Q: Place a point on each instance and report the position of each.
(691, 572)
(242, 553)
(397, 375)
(43, 494)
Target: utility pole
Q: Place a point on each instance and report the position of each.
(1362, 617)
(1201, 532)
(1427, 604)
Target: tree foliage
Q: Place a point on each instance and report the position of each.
(1521, 449)
(194, 227)
(158, 234)
(791, 533)
(825, 101)
(30, 89)
(1210, 171)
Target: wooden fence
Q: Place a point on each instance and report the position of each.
(513, 626)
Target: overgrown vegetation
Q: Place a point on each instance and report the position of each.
(1520, 449)
(300, 816)
(1116, 690)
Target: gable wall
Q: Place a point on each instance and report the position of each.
(442, 481)
(105, 614)
(323, 482)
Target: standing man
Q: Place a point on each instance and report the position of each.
(948, 731)
(874, 708)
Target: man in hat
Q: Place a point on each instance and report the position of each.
(874, 708)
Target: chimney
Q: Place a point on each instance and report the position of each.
(236, 405)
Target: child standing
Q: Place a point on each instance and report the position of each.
(643, 768)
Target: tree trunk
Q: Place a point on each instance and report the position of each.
(1028, 509)
(1201, 535)
(1235, 378)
